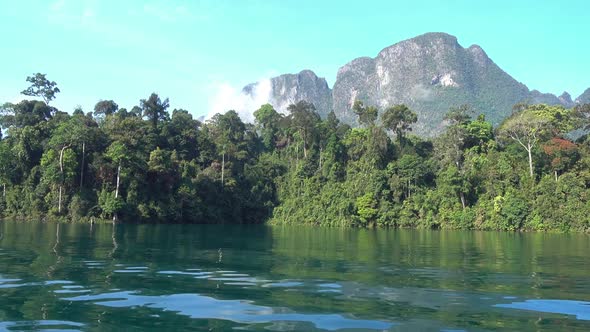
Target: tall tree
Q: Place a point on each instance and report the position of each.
(105, 108)
(6, 165)
(41, 87)
(451, 145)
(367, 114)
(531, 126)
(399, 119)
(155, 109)
(304, 118)
(228, 133)
(267, 122)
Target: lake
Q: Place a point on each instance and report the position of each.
(78, 277)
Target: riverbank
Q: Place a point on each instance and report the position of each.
(254, 278)
(277, 223)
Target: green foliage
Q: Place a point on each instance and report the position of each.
(366, 114)
(366, 208)
(296, 168)
(41, 87)
(399, 119)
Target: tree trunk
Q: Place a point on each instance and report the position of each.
(4, 190)
(59, 201)
(462, 195)
(555, 175)
(304, 148)
(529, 150)
(115, 216)
(61, 169)
(222, 168)
(320, 158)
(82, 167)
(118, 181)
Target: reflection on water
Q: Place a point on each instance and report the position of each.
(579, 309)
(45, 325)
(239, 311)
(218, 278)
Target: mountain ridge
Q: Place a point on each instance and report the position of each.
(430, 73)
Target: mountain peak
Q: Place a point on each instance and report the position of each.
(430, 73)
(584, 98)
(288, 89)
(432, 36)
(307, 72)
(566, 99)
(432, 42)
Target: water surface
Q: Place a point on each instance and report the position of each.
(218, 278)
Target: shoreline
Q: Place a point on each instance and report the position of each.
(271, 223)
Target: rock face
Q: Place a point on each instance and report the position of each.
(430, 73)
(566, 99)
(290, 88)
(584, 98)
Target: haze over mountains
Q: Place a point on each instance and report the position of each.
(430, 73)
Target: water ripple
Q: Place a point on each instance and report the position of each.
(56, 325)
(239, 311)
(580, 309)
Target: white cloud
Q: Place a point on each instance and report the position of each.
(228, 97)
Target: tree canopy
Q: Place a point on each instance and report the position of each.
(147, 164)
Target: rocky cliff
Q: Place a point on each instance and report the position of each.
(290, 88)
(430, 73)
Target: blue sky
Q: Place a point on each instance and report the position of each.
(199, 53)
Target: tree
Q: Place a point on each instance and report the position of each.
(410, 171)
(526, 128)
(182, 133)
(304, 119)
(581, 113)
(479, 133)
(6, 165)
(453, 139)
(267, 121)
(105, 108)
(366, 114)
(155, 109)
(366, 207)
(25, 113)
(119, 154)
(58, 169)
(399, 119)
(451, 144)
(41, 87)
(228, 133)
(563, 153)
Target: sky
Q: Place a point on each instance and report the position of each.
(200, 54)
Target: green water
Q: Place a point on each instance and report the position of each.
(219, 278)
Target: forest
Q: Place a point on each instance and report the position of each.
(153, 164)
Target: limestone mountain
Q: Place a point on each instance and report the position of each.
(430, 73)
(290, 88)
(584, 98)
